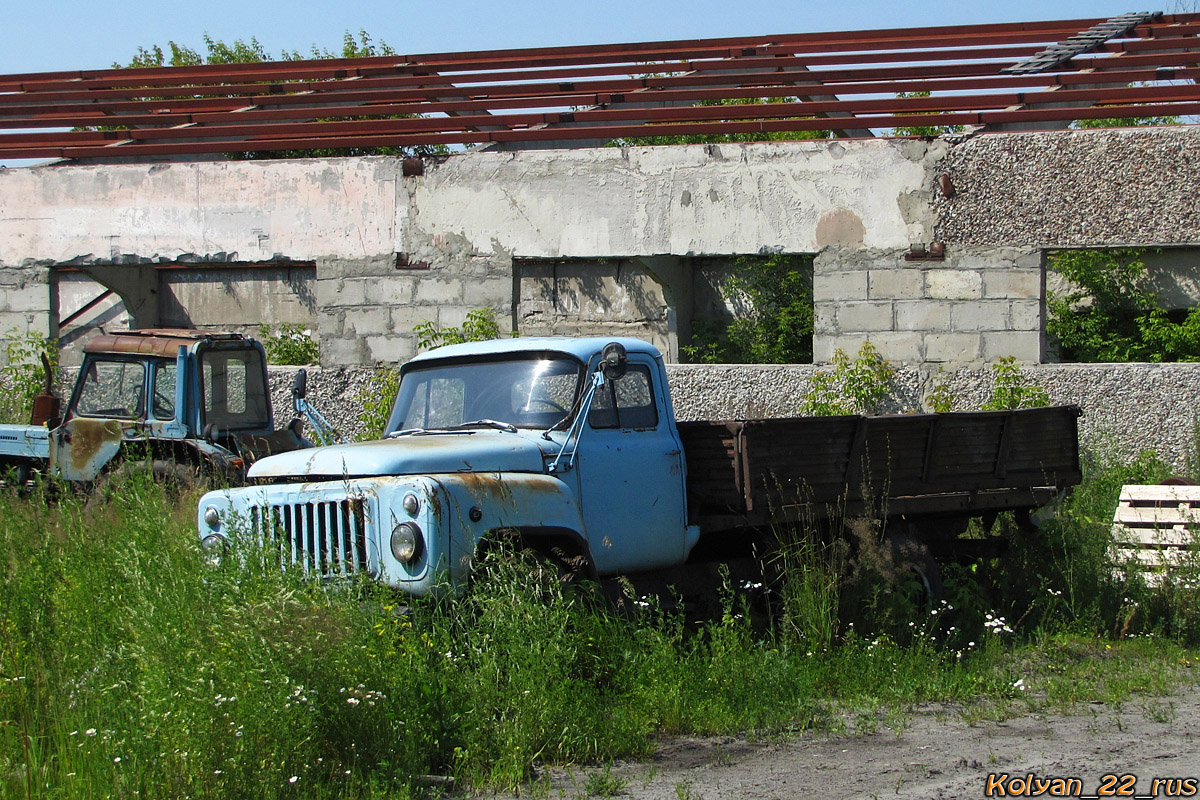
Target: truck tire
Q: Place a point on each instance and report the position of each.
(914, 556)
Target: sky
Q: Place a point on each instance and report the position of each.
(52, 36)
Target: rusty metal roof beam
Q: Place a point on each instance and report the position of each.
(152, 149)
(1116, 102)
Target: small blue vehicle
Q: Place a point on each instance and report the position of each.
(570, 448)
(185, 403)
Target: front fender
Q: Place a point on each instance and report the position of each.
(474, 504)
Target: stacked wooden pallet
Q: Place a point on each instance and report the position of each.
(1156, 529)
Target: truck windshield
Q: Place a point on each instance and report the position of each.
(235, 397)
(534, 390)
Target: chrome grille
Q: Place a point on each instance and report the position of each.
(328, 538)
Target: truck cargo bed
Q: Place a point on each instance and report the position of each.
(757, 471)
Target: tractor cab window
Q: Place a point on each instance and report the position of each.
(235, 397)
(163, 395)
(112, 388)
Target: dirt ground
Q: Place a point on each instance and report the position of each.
(938, 755)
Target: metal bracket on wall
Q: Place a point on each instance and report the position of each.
(918, 252)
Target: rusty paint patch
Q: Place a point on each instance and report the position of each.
(840, 227)
(88, 436)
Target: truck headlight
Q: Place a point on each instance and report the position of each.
(406, 542)
(212, 517)
(213, 547)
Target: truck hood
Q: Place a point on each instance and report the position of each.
(414, 454)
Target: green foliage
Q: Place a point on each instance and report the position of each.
(250, 681)
(1112, 314)
(377, 397)
(1011, 388)
(23, 376)
(251, 51)
(923, 130)
(852, 387)
(725, 138)
(291, 345)
(480, 325)
(1124, 122)
(940, 399)
(778, 328)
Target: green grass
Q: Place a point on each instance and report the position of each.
(128, 668)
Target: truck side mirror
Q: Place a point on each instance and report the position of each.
(300, 387)
(613, 361)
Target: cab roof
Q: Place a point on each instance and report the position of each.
(156, 341)
(582, 348)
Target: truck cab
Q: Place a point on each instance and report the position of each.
(182, 399)
(562, 445)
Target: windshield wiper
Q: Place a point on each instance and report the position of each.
(462, 426)
(481, 423)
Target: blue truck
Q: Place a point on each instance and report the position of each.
(183, 403)
(569, 448)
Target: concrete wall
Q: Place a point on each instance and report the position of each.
(391, 251)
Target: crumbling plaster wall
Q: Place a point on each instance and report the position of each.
(392, 251)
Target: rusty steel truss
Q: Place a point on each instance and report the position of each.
(989, 78)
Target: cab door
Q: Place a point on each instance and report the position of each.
(631, 474)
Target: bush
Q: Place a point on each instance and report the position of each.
(293, 345)
(778, 327)
(852, 387)
(1112, 313)
(23, 375)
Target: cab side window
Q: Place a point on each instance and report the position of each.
(163, 406)
(626, 403)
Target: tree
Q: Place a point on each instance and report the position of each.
(725, 138)
(251, 51)
(778, 327)
(1111, 313)
(923, 130)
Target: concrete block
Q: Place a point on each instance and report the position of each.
(30, 297)
(405, 318)
(896, 346)
(347, 292)
(1026, 315)
(390, 349)
(952, 347)
(980, 316)
(1012, 284)
(895, 284)
(840, 285)
(393, 290)
(15, 324)
(865, 316)
(372, 266)
(1026, 346)
(922, 315)
(368, 321)
(342, 352)
(452, 316)
(825, 319)
(439, 291)
(488, 292)
(848, 343)
(953, 284)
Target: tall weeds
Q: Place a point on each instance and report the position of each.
(129, 668)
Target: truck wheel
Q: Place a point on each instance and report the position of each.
(914, 556)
